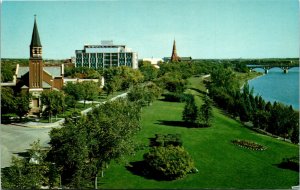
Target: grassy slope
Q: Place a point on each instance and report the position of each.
(220, 163)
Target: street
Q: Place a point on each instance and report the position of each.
(16, 139)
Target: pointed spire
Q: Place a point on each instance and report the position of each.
(35, 40)
(174, 57)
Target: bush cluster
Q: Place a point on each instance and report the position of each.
(167, 159)
(248, 144)
(169, 163)
(166, 140)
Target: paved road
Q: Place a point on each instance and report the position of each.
(15, 139)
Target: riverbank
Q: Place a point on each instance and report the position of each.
(246, 77)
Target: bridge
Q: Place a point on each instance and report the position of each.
(284, 66)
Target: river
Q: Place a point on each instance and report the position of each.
(277, 86)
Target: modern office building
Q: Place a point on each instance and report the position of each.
(106, 55)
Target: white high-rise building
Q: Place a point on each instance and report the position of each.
(106, 55)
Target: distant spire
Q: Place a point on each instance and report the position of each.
(35, 40)
(174, 57)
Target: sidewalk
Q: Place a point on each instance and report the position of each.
(60, 122)
(31, 124)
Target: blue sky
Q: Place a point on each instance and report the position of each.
(202, 28)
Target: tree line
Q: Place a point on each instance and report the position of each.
(274, 118)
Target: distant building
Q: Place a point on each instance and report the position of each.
(153, 61)
(186, 59)
(106, 55)
(174, 57)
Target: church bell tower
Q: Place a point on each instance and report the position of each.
(35, 61)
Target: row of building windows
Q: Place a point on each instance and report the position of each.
(104, 60)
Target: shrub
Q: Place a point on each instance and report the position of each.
(168, 163)
(166, 140)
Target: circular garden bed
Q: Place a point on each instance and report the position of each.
(248, 144)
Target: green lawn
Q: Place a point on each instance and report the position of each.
(220, 163)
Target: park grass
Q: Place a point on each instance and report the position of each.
(221, 164)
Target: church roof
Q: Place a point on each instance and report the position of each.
(55, 71)
(35, 39)
(22, 71)
(46, 85)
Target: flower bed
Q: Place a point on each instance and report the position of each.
(248, 144)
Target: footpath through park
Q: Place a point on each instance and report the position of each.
(62, 120)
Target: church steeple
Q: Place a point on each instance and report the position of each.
(174, 56)
(35, 61)
(35, 45)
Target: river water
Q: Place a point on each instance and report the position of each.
(277, 86)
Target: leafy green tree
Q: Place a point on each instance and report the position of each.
(295, 134)
(69, 152)
(169, 163)
(112, 80)
(54, 102)
(241, 67)
(225, 78)
(22, 104)
(84, 147)
(205, 114)
(190, 111)
(70, 101)
(149, 71)
(173, 82)
(7, 100)
(6, 72)
(74, 90)
(137, 94)
(90, 90)
(152, 92)
(261, 119)
(82, 72)
(129, 76)
(144, 95)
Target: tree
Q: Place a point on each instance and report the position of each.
(74, 90)
(22, 104)
(84, 147)
(295, 134)
(149, 71)
(90, 90)
(112, 80)
(69, 152)
(225, 78)
(205, 114)
(6, 72)
(7, 100)
(54, 102)
(144, 95)
(173, 82)
(190, 111)
(152, 92)
(168, 163)
(129, 76)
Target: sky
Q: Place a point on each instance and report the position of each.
(202, 29)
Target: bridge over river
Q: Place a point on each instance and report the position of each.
(284, 66)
